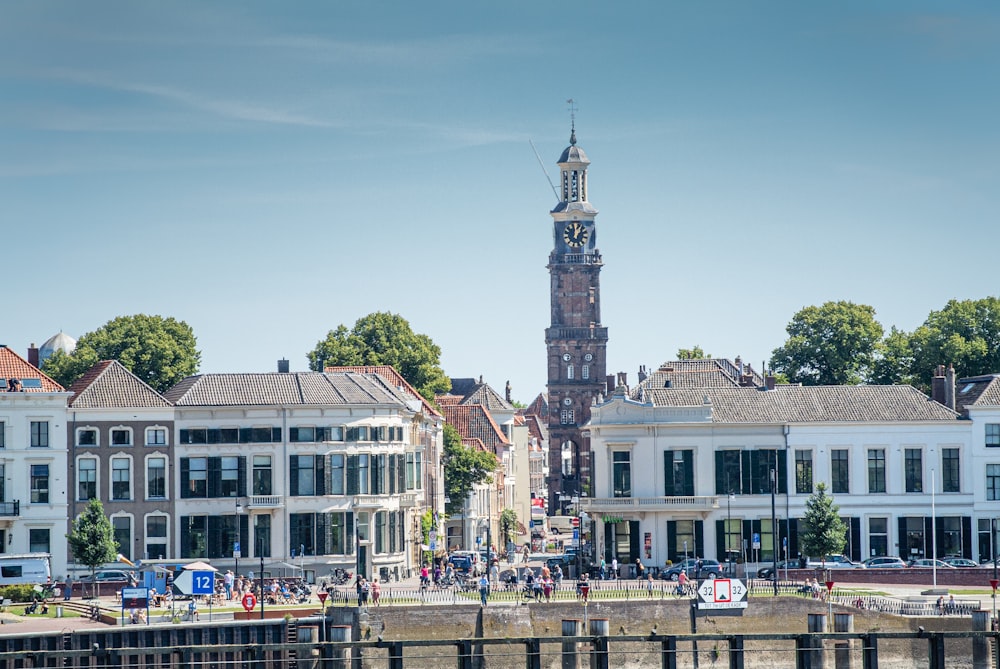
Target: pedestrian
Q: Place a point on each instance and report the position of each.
(614, 568)
(484, 589)
(682, 583)
(603, 573)
(227, 582)
(376, 591)
(494, 574)
(526, 552)
(68, 593)
(547, 588)
(640, 570)
(649, 585)
(583, 587)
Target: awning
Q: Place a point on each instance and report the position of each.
(200, 566)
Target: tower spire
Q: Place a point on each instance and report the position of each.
(572, 121)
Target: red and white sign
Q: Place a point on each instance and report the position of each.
(249, 602)
(722, 593)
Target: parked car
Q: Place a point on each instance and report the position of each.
(767, 570)
(105, 575)
(709, 569)
(928, 563)
(961, 563)
(564, 560)
(884, 562)
(832, 562)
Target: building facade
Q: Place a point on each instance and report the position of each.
(686, 464)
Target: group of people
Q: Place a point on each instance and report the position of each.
(367, 590)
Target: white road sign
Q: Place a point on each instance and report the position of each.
(722, 593)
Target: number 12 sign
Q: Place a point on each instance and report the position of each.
(202, 582)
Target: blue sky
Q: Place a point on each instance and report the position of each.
(269, 171)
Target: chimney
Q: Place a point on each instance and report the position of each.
(949, 387)
(33, 355)
(642, 373)
(937, 385)
(769, 382)
(283, 366)
(609, 383)
(507, 392)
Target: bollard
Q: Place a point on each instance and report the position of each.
(981, 655)
(599, 628)
(570, 656)
(341, 657)
(813, 656)
(842, 653)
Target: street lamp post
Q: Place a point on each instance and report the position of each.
(262, 594)
(729, 529)
(933, 532)
(993, 554)
(236, 544)
(774, 532)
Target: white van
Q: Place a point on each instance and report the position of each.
(563, 524)
(31, 568)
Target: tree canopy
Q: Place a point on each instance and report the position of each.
(834, 344)
(383, 338)
(821, 531)
(92, 539)
(160, 351)
(695, 353)
(464, 467)
(964, 333)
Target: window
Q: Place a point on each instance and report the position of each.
(211, 536)
(878, 536)
(231, 435)
(379, 467)
(306, 475)
(39, 540)
(156, 478)
(122, 527)
(197, 477)
(840, 473)
(678, 475)
(950, 535)
(194, 536)
(569, 372)
(86, 436)
(876, 470)
(993, 483)
(86, 475)
(364, 465)
(803, 472)
(749, 472)
(121, 437)
(3, 487)
(230, 477)
(39, 484)
(156, 436)
(584, 372)
(380, 531)
(39, 434)
(262, 535)
(121, 484)
(950, 475)
(156, 537)
(358, 433)
(337, 474)
(993, 435)
(262, 474)
(567, 417)
(213, 477)
(3, 434)
(622, 473)
(914, 470)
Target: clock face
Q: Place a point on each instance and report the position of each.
(575, 234)
(588, 357)
(567, 357)
(567, 401)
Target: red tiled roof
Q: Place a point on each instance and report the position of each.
(14, 366)
(473, 422)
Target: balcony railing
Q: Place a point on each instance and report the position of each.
(629, 504)
(10, 508)
(409, 499)
(266, 502)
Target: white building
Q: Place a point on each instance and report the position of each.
(683, 465)
(317, 470)
(33, 457)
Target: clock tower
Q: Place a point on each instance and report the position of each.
(576, 342)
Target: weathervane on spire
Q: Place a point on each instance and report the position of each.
(572, 121)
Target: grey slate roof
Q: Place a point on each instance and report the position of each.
(271, 388)
(110, 385)
(809, 404)
(478, 392)
(981, 390)
(705, 373)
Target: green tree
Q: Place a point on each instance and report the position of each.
(92, 539)
(160, 351)
(821, 531)
(893, 361)
(508, 527)
(966, 334)
(695, 353)
(834, 344)
(383, 338)
(464, 467)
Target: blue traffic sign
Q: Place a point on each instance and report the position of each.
(202, 582)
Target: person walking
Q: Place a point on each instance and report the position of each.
(649, 586)
(376, 591)
(484, 589)
(69, 589)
